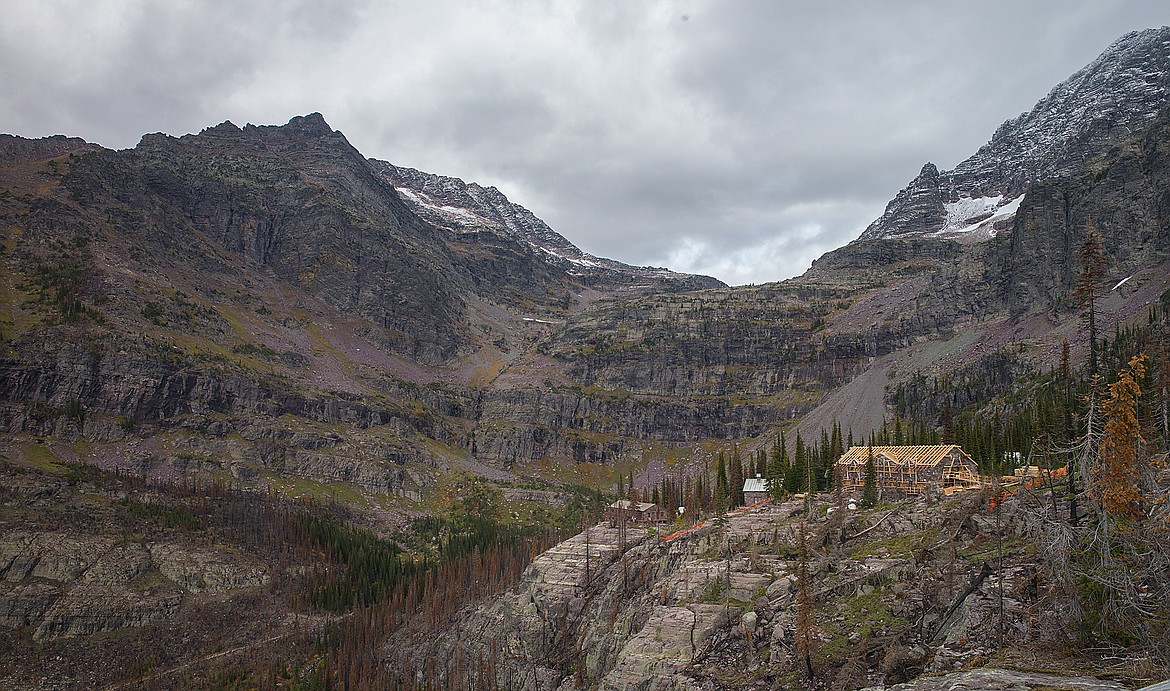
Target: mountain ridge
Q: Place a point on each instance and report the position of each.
(462, 207)
(1112, 98)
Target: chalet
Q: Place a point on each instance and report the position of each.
(909, 470)
(755, 489)
(625, 511)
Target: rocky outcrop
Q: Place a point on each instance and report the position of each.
(588, 602)
(20, 150)
(667, 644)
(991, 679)
(918, 208)
(205, 570)
(715, 608)
(72, 584)
(116, 591)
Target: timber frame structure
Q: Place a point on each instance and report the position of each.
(909, 470)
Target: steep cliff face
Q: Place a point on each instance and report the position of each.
(1123, 192)
(297, 201)
(1111, 99)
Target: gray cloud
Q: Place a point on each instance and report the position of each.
(742, 141)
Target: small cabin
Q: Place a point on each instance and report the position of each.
(626, 511)
(902, 471)
(755, 489)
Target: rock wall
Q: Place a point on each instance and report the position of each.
(74, 584)
(716, 608)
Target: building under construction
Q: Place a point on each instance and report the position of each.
(902, 471)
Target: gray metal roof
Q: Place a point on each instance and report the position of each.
(755, 484)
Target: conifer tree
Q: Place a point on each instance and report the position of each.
(777, 468)
(722, 496)
(799, 464)
(1162, 388)
(1091, 257)
(838, 445)
(1116, 480)
(735, 481)
(948, 435)
(869, 496)
(805, 633)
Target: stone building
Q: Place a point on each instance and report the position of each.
(755, 489)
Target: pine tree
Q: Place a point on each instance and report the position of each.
(735, 481)
(1091, 257)
(799, 464)
(1162, 388)
(948, 423)
(722, 496)
(1116, 480)
(777, 468)
(838, 445)
(805, 633)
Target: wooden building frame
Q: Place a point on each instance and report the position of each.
(902, 471)
(626, 511)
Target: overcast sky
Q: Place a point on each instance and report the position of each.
(732, 138)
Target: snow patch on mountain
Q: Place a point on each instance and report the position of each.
(984, 213)
(967, 211)
(461, 218)
(579, 261)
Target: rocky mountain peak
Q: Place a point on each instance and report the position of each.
(468, 207)
(312, 124)
(920, 205)
(1110, 99)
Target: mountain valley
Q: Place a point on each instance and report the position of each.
(261, 396)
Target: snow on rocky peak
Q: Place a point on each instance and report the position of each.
(983, 216)
(1110, 99)
(461, 207)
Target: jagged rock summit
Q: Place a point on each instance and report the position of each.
(468, 208)
(1111, 99)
